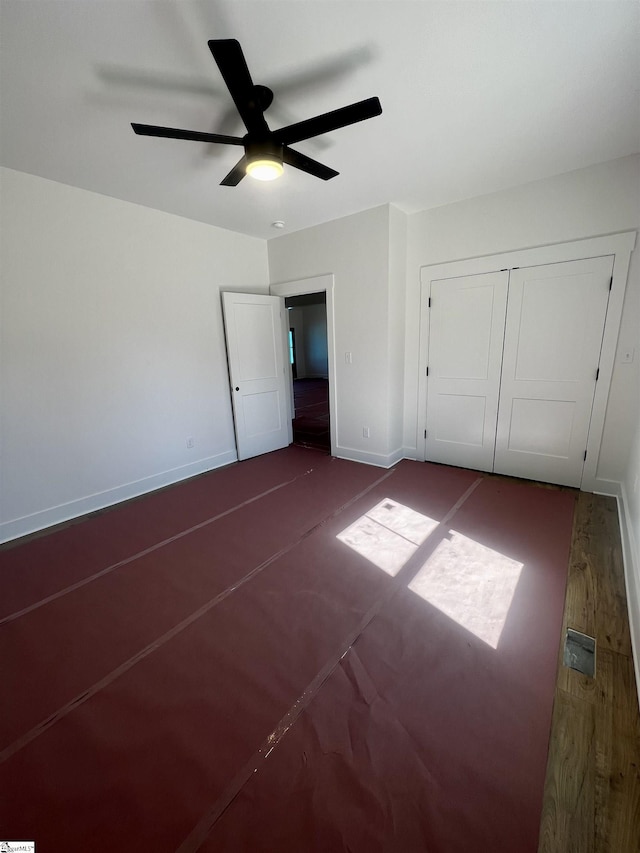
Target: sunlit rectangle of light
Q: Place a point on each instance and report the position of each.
(388, 534)
(471, 583)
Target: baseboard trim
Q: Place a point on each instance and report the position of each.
(605, 487)
(410, 453)
(379, 460)
(101, 500)
(631, 562)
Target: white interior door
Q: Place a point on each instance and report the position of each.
(553, 336)
(257, 370)
(466, 329)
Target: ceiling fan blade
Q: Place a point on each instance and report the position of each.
(306, 164)
(328, 121)
(236, 174)
(176, 133)
(235, 73)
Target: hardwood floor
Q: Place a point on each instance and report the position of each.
(592, 790)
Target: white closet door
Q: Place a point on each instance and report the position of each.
(553, 336)
(466, 329)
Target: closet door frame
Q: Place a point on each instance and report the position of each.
(619, 246)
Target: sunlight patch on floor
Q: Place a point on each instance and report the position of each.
(388, 534)
(472, 584)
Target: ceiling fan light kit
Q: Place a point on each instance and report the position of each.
(264, 161)
(265, 169)
(265, 150)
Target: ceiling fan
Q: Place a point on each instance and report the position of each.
(265, 150)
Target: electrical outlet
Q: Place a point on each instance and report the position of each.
(190, 442)
(627, 355)
(348, 358)
(365, 432)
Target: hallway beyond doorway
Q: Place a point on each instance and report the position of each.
(311, 419)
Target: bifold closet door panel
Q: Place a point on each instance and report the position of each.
(553, 336)
(466, 331)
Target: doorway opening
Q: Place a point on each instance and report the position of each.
(308, 355)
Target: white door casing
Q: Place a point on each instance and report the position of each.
(466, 328)
(553, 337)
(259, 393)
(318, 284)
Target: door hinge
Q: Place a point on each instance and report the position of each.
(585, 456)
(427, 371)
(597, 374)
(429, 303)
(425, 433)
(611, 283)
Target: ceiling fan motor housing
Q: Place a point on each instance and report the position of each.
(263, 96)
(265, 149)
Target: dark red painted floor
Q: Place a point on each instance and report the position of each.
(211, 668)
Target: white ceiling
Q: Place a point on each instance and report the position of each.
(476, 97)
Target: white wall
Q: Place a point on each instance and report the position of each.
(356, 250)
(589, 202)
(112, 348)
(315, 341)
(396, 313)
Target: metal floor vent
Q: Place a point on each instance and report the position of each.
(580, 652)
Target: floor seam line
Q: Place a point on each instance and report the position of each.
(112, 676)
(202, 830)
(11, 617)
